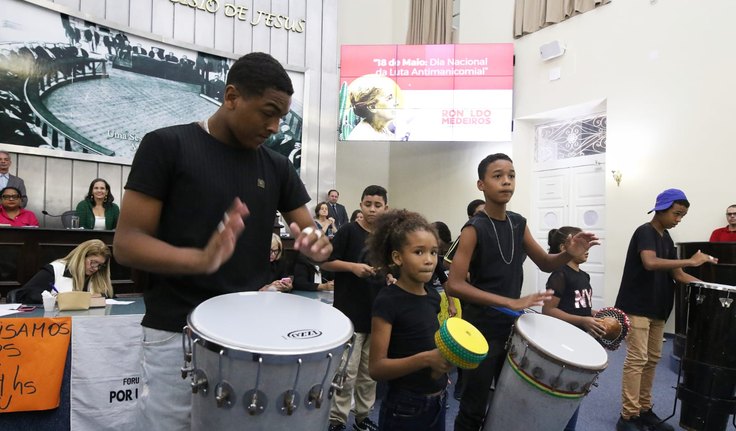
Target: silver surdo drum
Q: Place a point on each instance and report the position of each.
(263, 361)
(549, 368)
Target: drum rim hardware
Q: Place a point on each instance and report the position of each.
(339, 380)
(290, 398)
(258, 399)
(224, 392)
(533, 377)
(316, 393)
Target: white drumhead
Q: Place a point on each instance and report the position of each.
(704, 285)
(562, 341)
(270, 323)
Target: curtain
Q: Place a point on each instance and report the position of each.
(532, 15)
(430, 22)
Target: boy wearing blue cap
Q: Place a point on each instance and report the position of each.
(647, 296)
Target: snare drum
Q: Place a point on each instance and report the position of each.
(549, 368)
(263, 361)
(709, 363)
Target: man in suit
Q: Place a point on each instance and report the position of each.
(7, 180)
(335, 210)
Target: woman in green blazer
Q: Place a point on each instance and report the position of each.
(97, 210)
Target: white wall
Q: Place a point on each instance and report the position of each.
(667, 84)
(663, 71)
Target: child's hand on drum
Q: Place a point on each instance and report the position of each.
(594, 326)
(535, 299)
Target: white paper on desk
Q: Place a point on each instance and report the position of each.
(117, 302)
(6, 309)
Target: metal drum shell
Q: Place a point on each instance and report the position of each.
(539, 389)
(288, 366)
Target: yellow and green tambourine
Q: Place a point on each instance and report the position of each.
(461, 343)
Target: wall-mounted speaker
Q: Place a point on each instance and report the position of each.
(551, 50)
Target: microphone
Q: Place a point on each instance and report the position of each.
(46, 213)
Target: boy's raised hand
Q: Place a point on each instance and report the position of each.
(222, 242)
(533, 300)
(700, 258)
(580, 243)
(311, 242)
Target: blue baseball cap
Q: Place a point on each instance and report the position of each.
(666, 198)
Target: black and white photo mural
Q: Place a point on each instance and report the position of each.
(74, 86)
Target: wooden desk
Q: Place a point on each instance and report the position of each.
(23, 251)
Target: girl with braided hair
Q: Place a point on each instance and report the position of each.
(573, 296)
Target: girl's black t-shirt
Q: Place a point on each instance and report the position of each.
(413, 320)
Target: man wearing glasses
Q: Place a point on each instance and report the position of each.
(7, 180)
(727, 233)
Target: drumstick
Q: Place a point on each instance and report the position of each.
(508, 311)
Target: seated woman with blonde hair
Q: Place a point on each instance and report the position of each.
(86, 269)
(280, 281)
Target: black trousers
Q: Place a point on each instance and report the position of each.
(475, 395)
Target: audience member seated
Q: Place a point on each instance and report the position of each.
(97, 211)
(308, 276)
(11, 212)
(84, 269)
(280, 280)
(324, 223)
(11, 180)
(356, 215)
(727, 233)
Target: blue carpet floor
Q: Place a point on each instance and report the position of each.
(600, 410)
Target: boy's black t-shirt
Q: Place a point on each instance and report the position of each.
(354, 295)
(642, 292)
(489, 272)
(573, 289)
(413, 320)
(196, 178)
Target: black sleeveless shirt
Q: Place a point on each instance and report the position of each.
(490, 272)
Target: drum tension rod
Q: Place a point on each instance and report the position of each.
(316, 394)
(256, 406)
(186, 346)
(223, 390)
(199, 377)
(290, 396)
(340, 376)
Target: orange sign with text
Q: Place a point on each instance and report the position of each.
(32, 357)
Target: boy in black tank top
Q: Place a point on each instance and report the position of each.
(492, 248)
